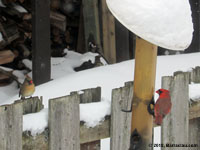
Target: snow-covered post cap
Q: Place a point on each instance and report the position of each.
(166, 23)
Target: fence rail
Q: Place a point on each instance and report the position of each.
(65, 131)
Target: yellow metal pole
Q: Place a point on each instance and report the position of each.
(144, 85)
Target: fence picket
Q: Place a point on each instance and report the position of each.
(174, 129)
(195, 75)
(31, 105)
(11, 127)
(91, 95)
(121, 121)
(64, 123)
(194, 124)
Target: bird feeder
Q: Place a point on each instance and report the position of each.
(164, 23)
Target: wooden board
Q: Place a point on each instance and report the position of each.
(194, 112)
(31, 105)
(121, 121)
(194, 131)
(122, 42)
(195, 75)
(91, 23)
(175, 127)
(11, 127)
(89, 96)
(64, 123)
(108, 30)
(6, 56)
(41, 41)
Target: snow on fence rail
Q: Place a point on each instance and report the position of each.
(181, 126)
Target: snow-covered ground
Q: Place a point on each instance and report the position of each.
(66, 80)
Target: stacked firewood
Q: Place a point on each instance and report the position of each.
(16, 29)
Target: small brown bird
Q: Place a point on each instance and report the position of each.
(27, 88)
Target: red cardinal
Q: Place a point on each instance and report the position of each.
(162, 106)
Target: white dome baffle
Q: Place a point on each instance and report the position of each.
(165, 23)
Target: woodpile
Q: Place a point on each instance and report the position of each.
(16, 30)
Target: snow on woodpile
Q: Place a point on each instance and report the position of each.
(166, 23)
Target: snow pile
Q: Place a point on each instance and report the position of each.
(166, 23)
(91, 119)
(194, 92)
(64, 66)
(27, 63)
(36, 122)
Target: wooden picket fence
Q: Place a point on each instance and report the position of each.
(66, 132)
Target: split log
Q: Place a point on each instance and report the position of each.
(6, 56)
(10, 34)
(58, 20)
(23, 50)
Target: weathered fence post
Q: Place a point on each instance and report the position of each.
(91, 23)
(121, 121)
(91, 95)
(41, 50)
(11, 127)
(108, 27)
(64, 123)
(194, 124)
(174, 129)
(31, 105)
(195, 75)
